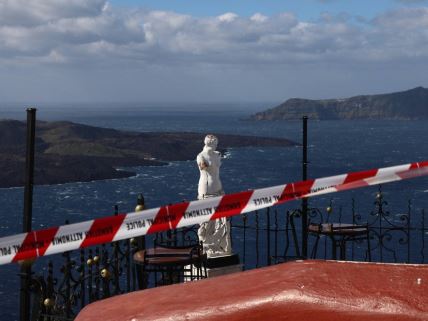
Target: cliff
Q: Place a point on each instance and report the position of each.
(69, 152)
(410, 105)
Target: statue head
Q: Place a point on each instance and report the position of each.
(211, 141)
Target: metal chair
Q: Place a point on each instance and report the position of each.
(340, 234)
(171, 263)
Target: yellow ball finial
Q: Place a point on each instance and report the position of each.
(140, 203)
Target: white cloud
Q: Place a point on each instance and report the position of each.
(228, 17)
(258, 17)
(91, 34)
(34, 12)
(83, 30)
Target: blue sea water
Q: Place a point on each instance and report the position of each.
(335, 147)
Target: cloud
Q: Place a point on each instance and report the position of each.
(228, 17)
(36, 12)
(60, 28)
(77, 31)
(258, 17)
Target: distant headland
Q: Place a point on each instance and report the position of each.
(71, 152)
(407, 105)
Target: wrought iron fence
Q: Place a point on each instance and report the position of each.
(262, 238)
(74, 279)
(83, 277)
(274, 235)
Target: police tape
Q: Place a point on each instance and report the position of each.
(124, 226)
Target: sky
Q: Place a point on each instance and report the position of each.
(211, 51)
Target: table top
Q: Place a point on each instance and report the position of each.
(341, 229)
(163, 255)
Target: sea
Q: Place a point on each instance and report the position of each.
(335, 147)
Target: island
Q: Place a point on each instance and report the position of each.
(407, 105)
(71, 152)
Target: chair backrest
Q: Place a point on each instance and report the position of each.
(180, 238)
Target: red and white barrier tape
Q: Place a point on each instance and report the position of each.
(123, 226)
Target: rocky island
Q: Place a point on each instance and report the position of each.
(70, 152)
(409, 105)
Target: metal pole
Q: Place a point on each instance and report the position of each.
(305, 200)
(142, 278)
(25, 295)
(269, 261)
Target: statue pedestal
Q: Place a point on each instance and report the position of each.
(221, 265)
(216, 266)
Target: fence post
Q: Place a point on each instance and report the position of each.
(305, 200)
(268, 255)
(141, 245)
(25, 295)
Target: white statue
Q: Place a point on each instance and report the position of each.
(215, 235)
(209, 162)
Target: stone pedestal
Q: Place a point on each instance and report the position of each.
(222, 265)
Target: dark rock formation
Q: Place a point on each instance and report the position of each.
(411, 104)
(70, 152)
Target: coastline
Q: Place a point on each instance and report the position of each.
(69, 152)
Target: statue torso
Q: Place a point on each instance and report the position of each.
(209, 181)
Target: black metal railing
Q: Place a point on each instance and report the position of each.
(83, 277)
(274, 235)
